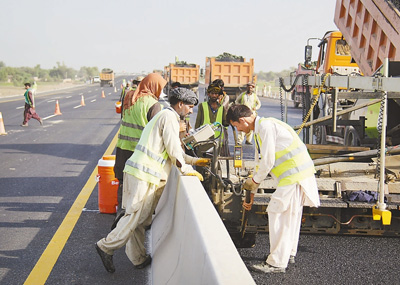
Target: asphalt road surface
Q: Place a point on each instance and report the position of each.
(44, 169)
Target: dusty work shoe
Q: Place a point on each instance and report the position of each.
(266, 268)
(249, 143)
(117, 218)
(146, 262)
(107, 260)
(291, 259)
(41, 122)
(24, 125)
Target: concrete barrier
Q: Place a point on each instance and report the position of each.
(189, 243)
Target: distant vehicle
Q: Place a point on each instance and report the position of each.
(96, 79)
(107, 77)
(233, 70)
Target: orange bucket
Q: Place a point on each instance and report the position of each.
(108, 185)
(118, 107)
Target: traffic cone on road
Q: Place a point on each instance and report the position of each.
(57, 111)
(83, 101)
(102, 94)
(2, 129)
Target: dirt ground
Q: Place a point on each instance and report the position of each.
(8, 91)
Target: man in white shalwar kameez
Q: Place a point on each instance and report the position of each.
(145, 175)
(280, 152)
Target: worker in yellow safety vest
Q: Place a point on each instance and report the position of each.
(210, 112)
(282, 154)
(250, 99)
(141, 106)
(145, 176)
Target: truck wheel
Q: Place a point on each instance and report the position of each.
(320, 134)
(351, 137)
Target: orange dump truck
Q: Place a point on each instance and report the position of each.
(187, 74)
(371, 27)
(233, 70)
(107, 77)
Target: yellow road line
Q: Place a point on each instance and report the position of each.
(48, 259)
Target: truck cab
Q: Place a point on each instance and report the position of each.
(334, 56)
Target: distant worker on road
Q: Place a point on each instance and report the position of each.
(145, 173)
(29, 111)
(282, 154)
(140, 106)
(250, 99)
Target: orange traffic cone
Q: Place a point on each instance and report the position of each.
(2, 129)
(102, 94)
(82, 101)
(57, 111)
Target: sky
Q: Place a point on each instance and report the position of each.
(143, 35)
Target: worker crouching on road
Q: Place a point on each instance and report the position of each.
(145, 175)
(282, 154)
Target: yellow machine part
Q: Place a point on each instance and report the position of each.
(386, 216)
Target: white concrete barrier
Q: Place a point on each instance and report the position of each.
(189, 243)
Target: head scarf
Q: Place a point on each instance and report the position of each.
(185, 95)
(151, 85)
(212, 88)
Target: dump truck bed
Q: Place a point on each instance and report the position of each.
(372, 29)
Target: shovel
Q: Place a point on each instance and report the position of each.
(242, 239)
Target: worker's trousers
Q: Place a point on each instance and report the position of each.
(139, 200)
(284, 217)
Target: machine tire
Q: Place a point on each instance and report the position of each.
(320, 133)
(351, 137)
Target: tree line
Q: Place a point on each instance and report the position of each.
(20, 75)
(271, 75)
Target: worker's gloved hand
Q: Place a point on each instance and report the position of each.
(194, 173)
(250, 184)
(202, 162)
(247, 206)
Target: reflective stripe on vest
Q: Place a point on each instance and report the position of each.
(206, 117)
(133, 123)
(292, 164)
(145, 163)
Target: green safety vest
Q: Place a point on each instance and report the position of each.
(292, 164)
(206, 117)
(26, 95)
(133, 122)
(146, 164)
(254, 102)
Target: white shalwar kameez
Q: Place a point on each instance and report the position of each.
(140, 197)
(286, 205)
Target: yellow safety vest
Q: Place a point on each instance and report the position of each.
(292, 164)
(133, 123)
(146, 164)
(206, 117)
